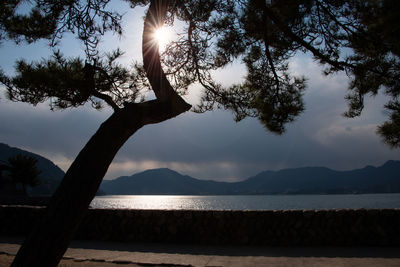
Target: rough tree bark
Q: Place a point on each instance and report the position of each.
(50, 238)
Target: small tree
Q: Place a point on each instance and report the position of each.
(23, 170)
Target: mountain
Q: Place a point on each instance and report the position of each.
(161, 181)
(308, 180)
(50, 177)
(319, 180)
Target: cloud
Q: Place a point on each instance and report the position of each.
(337, 135)
(38, 129)
(211, 145)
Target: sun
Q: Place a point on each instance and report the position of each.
(163, 36)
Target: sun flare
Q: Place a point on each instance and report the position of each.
(163, 36)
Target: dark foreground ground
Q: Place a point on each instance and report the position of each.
(5, 261)
(89, 253)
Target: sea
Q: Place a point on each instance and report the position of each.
(248, 202)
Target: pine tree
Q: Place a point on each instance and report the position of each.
(23, 170)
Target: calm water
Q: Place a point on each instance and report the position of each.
(259, 202)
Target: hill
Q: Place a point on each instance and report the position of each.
(50, 177)
(161, 181)
(308, 180)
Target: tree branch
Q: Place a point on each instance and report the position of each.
(151, 58)
(334, 18)
(108, 99)
(267, 52)
(340, 65)
(89, 73)
(194, 55)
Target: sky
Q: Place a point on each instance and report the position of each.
(204, 146)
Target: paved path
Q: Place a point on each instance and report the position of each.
(180, 255)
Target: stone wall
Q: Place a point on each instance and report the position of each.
(23, 200)
(300, 228)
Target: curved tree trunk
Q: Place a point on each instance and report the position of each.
(50, 238)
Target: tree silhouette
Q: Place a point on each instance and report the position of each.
(23, 170)
(354, 36)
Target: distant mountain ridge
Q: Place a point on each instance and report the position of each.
(307, 180)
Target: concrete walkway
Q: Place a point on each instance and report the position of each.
(190, 255)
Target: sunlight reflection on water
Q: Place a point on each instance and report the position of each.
(258, 202)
